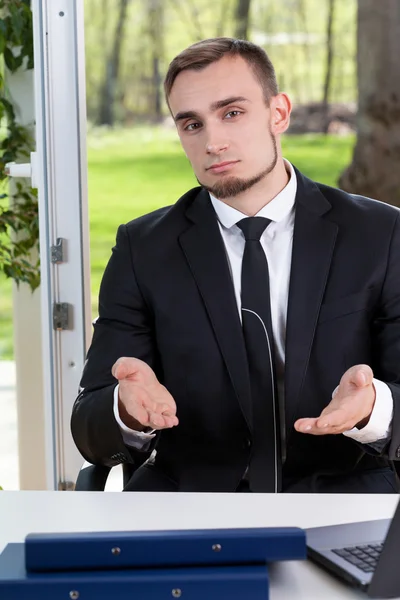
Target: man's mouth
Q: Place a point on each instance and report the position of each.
(222, 166)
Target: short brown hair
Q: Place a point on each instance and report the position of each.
(204, 53)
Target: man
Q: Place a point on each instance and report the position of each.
(250, 333)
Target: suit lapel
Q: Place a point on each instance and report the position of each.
(313, 244)
(205, 253)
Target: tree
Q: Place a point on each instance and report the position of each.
(156, 33)
(189, 13)
(242, 17)
(112, 69)
(329, 61)
(374, 170)
(224, 21)
(308, 53)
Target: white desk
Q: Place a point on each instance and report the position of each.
(25, 512)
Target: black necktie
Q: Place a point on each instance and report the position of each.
(265, 466)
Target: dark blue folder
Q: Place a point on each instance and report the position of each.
(191, 583)
(113, 550)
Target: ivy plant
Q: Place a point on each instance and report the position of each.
(19, 227)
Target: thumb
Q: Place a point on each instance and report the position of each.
(360, 376)
(127, 366)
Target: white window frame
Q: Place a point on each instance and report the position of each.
(59, 170)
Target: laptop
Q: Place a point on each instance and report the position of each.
(367, 554)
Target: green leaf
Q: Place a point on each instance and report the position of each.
(9, 59)
(3, 35)
(19, 229)
(18, 60)
(17, 22)
(8, 108)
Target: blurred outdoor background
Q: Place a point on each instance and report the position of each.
(339, 60)
(135, 162)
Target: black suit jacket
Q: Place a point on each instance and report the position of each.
(167, 298)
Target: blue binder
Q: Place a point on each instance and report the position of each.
(194, 583)
(113, 550)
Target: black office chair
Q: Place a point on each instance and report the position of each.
(93, 478)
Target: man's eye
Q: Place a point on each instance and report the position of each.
(191, 126)
(233, 113)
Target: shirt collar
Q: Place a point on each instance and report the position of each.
(276, 210)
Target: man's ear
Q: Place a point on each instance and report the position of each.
(281, 107)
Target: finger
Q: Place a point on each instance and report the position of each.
(121, 368)
(128, 366)
(170, 421)
(317, 431)
(311, 427)
(363, 377)
(305, 425)
(158, 399)
(160, 422)
(359, 375)
(156, 421)
(159, 408)
(162, 408)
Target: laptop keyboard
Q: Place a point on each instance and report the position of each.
(364, 557)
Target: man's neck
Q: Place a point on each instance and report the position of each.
(254, 199)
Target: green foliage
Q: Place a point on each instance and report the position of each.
(19, 231)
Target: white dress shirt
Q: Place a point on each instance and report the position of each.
(276, 241)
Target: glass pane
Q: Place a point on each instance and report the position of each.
(135, 161)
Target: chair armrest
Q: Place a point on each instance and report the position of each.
(92, 478)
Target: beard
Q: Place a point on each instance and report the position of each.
(232, 186)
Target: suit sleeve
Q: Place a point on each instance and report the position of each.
(386, 338)
(124, 328)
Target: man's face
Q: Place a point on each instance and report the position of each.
(225, 126)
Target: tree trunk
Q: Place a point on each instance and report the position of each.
(224, 17)
(375, 168)
(329, 62)
(110, 85)
(308, 83)
(242, 17)
(156, 22)
(189, 12)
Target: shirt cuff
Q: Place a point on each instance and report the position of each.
(380, 421)
(136, 439)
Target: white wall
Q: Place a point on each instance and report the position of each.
(28, 337)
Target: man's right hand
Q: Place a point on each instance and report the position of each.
(142, 400)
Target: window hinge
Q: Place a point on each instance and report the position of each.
(62, 316)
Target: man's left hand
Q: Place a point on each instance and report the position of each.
(351, 405)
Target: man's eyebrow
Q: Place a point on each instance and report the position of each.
(190, 114)
(222, 103)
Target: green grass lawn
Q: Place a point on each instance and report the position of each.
(132, 172)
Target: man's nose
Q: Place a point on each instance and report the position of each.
(216, 145)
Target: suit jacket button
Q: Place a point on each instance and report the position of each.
(247, 443)
(398, 452)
